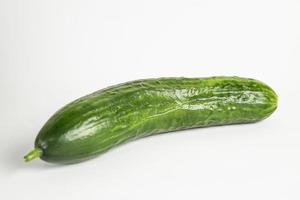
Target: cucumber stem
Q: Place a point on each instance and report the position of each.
(37, 152)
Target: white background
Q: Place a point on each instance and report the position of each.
(52, 52)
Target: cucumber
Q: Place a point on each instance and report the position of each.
(95, 123)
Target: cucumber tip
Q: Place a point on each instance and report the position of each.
(35, 153)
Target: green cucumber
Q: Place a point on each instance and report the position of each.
(95, 123)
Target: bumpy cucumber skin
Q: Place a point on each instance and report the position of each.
(97, 122)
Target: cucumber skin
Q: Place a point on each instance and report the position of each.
(97, 122)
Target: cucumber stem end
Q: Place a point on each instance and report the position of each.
(33, 154)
